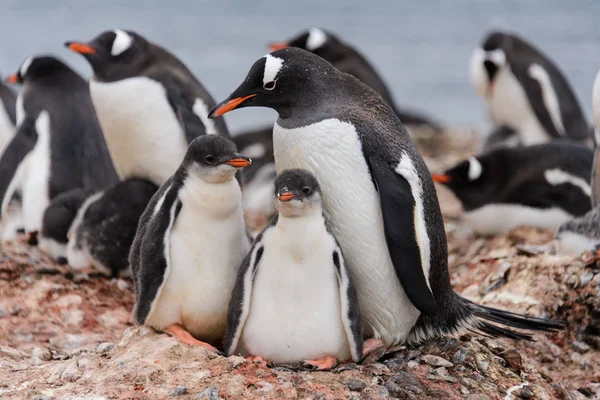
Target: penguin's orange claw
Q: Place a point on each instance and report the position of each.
(256, 360)
(184, 336)
(321, 364)
(371, 344)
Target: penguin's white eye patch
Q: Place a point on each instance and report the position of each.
(270, 85)
(272, 67)
(497, 56)
(316, 38)
(475, 169)
(121, 43)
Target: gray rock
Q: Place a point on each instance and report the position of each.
(464, 390)
(412, 364)
(404, 384)
(40, 354)
(482, 364)
(105, 347)
(525, 393)
(356, 385)
(395, 365)
(40, 397)
(379, 393)
(413, 354)
(478, 396)
(209, 394)
(71, 372)
(580, 347)
(573, 395)
(179, 391)
(586, 277)
(236, 361)
(460, 356)
(436, 361)
(597, 279)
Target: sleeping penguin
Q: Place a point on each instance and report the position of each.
(189, 245)
(541, 186)
(293, 300)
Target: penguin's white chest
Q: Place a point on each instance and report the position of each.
(142, 133)
(295, 311)
(207, 245)
(509, 105)
(332, 151)
(36, 190)
(7, 129)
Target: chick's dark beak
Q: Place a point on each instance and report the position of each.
(239, 161)
(81, 48)
(228, 105)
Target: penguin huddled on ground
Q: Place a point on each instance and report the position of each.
(378, 192)
(8, 115)
(58, 145)
(525, 91)
(189, 245)
(101, 235)
(542, 186)
(270, 314)
(149, 104)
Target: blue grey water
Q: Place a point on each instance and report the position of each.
(420, 47)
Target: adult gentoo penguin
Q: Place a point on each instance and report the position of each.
(8, 117)
(524, 90)
(58, 141)
(149, 104)
(347, 59)
(103, 231)
(378, 192)
(270, 314)
(543, 186)
(189, 245)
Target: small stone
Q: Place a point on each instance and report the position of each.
(465, 338)
(209, 394)
(122, 284)
(555, 350)
(105, 347)
(394, 365)
(179, 391)
(412, 364)
(356, 385)
(580, 347)
(525, 393)
(464, 390)
(121, 364)
(85, 364)
(264, 387)
(71, 372)
(381, 393)
(477, 396)
(597, 279)
(513, 360)
(413, 354)
(403, 384)
(482, 364)
(236, 361)
(586, 277)
(202, 375)
(40, 397)
(436, 361)
(460, 355)
(441, 371)
(378, 369)
(39, 354)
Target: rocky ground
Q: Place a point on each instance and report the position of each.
(71, 337)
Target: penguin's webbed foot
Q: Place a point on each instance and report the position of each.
(184, 336)
(321, 364)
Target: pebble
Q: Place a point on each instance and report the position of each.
(482, 364)
(71, 372)
(513, 360)
(381, 393)
(202, 375)
(122, 284)
(404, 383)
(436, 361)
(597, 279)
(40, 397)
(580, 347)
(209, 394)
(179, 391)
(477, 396)
(412, 364)
(555, 350)
(356, 385)
(39, 354)
(586, 277)
(460, 355)
(525, 393)
(236, 361)
(265, 387)
(441, 371)
(464, 390)
(413, 354)
(85, 364)
(105, 347)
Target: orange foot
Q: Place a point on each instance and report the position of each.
(256, 360)
(321, 364)
(184, 336)
(371, 344)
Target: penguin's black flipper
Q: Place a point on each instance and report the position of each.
(183, 105)
(398, 208)
(16, 151)
(596, 177)
(149, 252)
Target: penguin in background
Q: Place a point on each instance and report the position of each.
(190, 242)
(58, 145)
(542, 186)
(525, 91)
(8, 116)
(347, 59)
(103, 231)
(149, 104)
(270, 316)
(371, 177)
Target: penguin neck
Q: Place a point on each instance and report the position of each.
(216, 199)
(309, 223)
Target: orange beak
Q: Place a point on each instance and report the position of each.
(278, 46)
(239, 162)
(285, 196)
(14, 78)
(441, 178)
(80, 48)
(228, 106)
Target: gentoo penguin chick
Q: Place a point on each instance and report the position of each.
(543, 186)
(189, 245)
(58, 145)
(149, 104)
(103, 231)
(271, 314)
(524, 90)
(347, 59)
(8, 117)
(378, 192)
(57, 220)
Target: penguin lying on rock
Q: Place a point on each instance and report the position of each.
(541, 186)
(379, 193)
(293, 300)
(189, 245)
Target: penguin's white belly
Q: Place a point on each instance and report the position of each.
(7, 129)
(36, 190)
(295, 311)
(332, 151)
(143, 135)
(206, 252)
(510, 106)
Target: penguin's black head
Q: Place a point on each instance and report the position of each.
(283, 79)
(489, 60)
(114, 55)
(213, 158)
(297, 192)
(315, 40)
(37, 67)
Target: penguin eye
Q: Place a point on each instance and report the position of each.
(209, 159)
(306, 190)
(270, 85)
